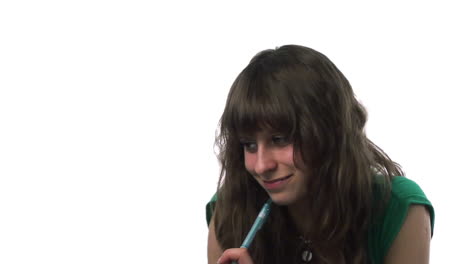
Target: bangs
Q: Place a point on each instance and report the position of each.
(259, 102)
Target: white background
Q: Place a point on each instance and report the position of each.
(108, 112)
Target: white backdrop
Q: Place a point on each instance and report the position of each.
(108, 111)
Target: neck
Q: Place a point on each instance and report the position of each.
(299, 212)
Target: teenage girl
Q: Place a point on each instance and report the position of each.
(293, 131)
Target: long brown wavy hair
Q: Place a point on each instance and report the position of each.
(299, 92)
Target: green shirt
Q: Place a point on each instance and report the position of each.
(405, 192)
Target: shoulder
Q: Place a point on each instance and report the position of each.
(407, 205)
(405, 193)
(404, 188)
(214, 249)
(209, 208)
(412, 243)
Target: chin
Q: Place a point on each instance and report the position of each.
(282, 199)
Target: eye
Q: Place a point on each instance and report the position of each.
(249, 146)
(280, 140)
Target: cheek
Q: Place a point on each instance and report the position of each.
(249, 162)
(289, 155)
(296, 159)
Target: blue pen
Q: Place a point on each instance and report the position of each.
(261, 218)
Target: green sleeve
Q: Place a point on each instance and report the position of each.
(210, 208)
(405, 193)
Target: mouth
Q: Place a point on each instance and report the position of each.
(277, 180)
(276, 184)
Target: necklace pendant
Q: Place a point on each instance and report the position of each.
(306, 255)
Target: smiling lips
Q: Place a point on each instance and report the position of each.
(276, 184)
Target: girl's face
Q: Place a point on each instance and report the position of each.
(269, 158)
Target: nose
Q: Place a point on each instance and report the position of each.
(265, 161)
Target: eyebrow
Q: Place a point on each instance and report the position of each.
(246, 139)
